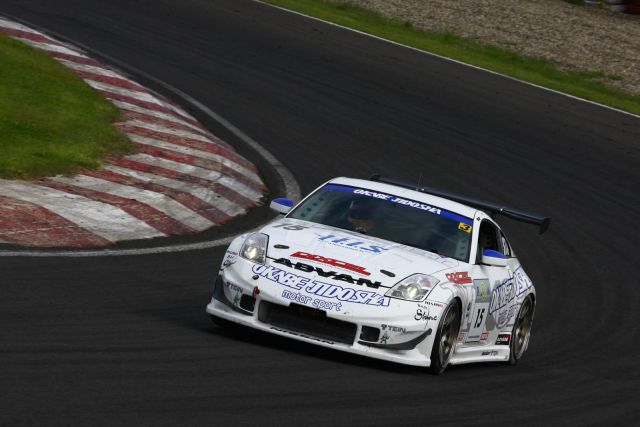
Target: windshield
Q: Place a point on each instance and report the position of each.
(389, 217)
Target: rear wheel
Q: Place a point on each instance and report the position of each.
(446, 337)
(521, 330)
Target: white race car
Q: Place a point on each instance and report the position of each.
(384, 269)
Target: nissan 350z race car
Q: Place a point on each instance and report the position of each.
(384, 269)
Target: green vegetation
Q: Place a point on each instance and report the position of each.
(51, 122)
(587, 85)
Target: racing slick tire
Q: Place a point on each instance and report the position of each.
(446, 337)
(521, 330)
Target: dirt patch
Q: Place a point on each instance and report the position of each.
(583, 38)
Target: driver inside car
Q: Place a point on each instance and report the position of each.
(362, 215)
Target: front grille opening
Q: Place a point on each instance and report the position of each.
(308, 321)
(370, 334)
(247, 302)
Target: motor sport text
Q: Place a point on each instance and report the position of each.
(329, 274)
(332, 262)
(325, 290)
(317, 303)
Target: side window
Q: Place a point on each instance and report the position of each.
(506, 249)
(488, 238)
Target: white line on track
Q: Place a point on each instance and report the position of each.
(333, 24)
(102, 219)
(158, 201)
(291, 187)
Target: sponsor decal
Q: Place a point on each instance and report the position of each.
(352, 243)
(460, 278)
(298, 334)
(501, 296)
(329, 274)
(424, 315)
(503, 339)
(502, 307)
(332, 262)
(393, 328)
(291, 227)
(320, 289)
(461, 336)
(465, 227)
(490, 353)
(399, 200)
(523, 283)
(384, 338)
(435, 304)
(233, 287)
(482, 290)
(256, 292)
(229, 259)
(484, 335)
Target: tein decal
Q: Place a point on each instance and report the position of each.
(320, 289)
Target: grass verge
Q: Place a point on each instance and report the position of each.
(51, 122)
(587, 85)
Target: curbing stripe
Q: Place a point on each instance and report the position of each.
(36, 37)
(135, 94)
(51, 47)
(205, 164)
(169, 131)
(212, 213)
(114, 81)
(105, 220)
(198, 172)
(27, 224)
(157, 114)
(200, 145)
(134, 115)
(195, 153)
(158, 201)
(158, 174)
(143, 212)
(208, 195)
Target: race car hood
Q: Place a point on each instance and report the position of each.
(315, 248)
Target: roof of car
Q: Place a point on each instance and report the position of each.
(429, 199)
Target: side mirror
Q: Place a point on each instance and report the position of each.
(281, 205)
(495, 258)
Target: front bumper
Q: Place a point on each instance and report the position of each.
(389, 333)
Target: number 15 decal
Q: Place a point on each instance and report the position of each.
(479, 318)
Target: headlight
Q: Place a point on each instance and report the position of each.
(413, 288)
(254, 248)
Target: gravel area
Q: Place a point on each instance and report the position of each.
(585, 38)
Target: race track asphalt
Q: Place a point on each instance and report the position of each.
(125, 340)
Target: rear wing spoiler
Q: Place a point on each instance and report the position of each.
(492, 208)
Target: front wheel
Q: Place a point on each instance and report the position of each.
(446, 337)
(521, 330)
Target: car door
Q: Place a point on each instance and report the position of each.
(492, 285)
